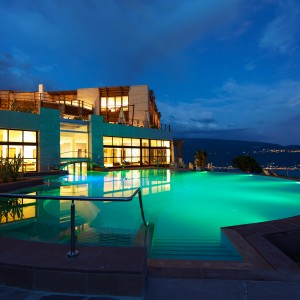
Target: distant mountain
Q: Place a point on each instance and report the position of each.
(221, 152)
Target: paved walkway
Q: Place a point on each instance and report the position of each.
(178, 289)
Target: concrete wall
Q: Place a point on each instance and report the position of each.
(49, 153)
(135, 132)
(91, 96)
(139, 97)
(48, 126)
(19, 120)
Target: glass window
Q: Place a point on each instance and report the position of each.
(29, 137)
(117, 141)
(103, 102)
(125, 100)
(153, 143)
(15, 136)
(4, 151)
(111, 103)
(126, 142)
(29, 152)
(29, 165)
(136, 152)
(166, 144)
(145, 143)
(135, 142)
(73, 144)
(107, 140)
(118, 102)
(126, 154)
(3, 135)
(12, 151)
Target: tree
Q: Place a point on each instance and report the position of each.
(200, 159)
(247, 164)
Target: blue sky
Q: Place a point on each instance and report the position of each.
(226, 69)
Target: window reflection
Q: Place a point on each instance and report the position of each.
(17, 209)
(120, 184)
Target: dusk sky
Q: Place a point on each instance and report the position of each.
(226, 69)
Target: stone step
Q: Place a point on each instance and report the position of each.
(191, 248)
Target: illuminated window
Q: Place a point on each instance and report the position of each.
(126, 142)
(29, 152)
(117, 141)
(118, 101)
(73, 144)
(125, 101)
(166, 144)
(15, 136)
(133, 151)
(107, 140)
(145, 143)
(111, 103)
(20, 142)
(29, 136)
(153, 143)
(103, 103)
(3, 135)
(135, 142)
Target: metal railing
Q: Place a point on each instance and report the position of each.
(73, 252)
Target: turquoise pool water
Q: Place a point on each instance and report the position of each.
(187, 209)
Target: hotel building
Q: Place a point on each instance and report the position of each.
(105, 127)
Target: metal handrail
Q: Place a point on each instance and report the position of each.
(73, 252)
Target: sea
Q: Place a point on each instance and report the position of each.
(283, 160)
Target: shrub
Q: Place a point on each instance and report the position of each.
(9, 168)
(247, 164)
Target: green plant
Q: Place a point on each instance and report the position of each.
(10, 168)
(15, 165)
(4, 169)
(247, 164)
(200, 159)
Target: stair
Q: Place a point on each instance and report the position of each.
(191, 249)
(106, 237)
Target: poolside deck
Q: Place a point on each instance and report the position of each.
(266, 247)
(123, 271)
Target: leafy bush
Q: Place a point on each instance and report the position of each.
(9, 168)
(200, 159)
(246, 164)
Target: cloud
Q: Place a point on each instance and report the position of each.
(106, 40)
(17, 71)
(281, 34)
(239, 111)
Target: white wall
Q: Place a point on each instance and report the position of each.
(139, 97)
(91, 96)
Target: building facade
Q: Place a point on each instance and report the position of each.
(107, 127)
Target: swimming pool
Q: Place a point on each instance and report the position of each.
(187, 210)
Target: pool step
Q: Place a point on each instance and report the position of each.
(106, 237)
(192, 249)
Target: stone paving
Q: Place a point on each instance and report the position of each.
(178, 289)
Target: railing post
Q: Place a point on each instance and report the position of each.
(73, 252)
(142, 209)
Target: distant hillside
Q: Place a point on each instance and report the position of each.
(221, 152)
